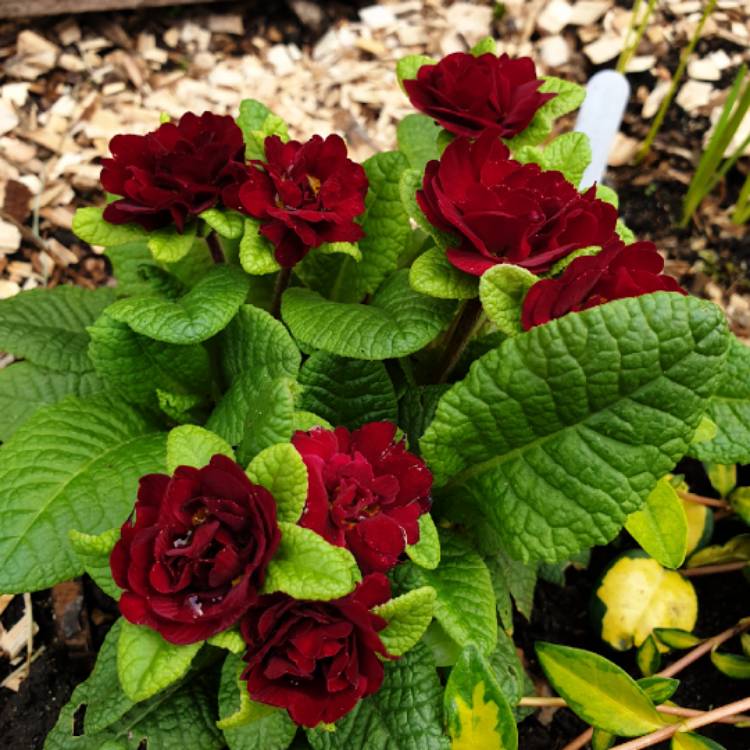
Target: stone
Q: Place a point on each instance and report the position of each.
(693, 95)
(586, 12)
(555, 16)
(554, 51)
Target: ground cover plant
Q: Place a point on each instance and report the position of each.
(334, 419)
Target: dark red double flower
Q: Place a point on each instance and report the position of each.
(316, 659)
(366, 492)
(470, 95)
(195, 556)
(304, 194)
(173, 173)
(502, 211)
(618, 271)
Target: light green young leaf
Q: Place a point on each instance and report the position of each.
(417, 140)
(257, 122)
(729, 409)
(347, 392)
(408, 67)
(230, 640)
(563, 263)
(48, 326)
(79, 453)
(608, 195)
(569, 153)
(137, 366)
(179, 407)
(227, 223)
(270, 418)
(93, 551)
(426, 552)
(196, 316)
(340, 248)
(405, 714)
(90, 226)
(397, 322)
(306, 566)
(535, 435)
(304, 421)
(433, 275)
(732, 665)
(256, 252)
(598, 691)
(484, 46)
(501, 291)
(146, 663)
(190, 445)
(25, 388)
(248, 711)
(476, 710)
(408, 616)
(723, 478)
(660, 527)
(624, 233)
(169, 246)
(281, 470)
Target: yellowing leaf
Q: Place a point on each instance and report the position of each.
(478, 723)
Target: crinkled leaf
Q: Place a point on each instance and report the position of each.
(90, 226)
(405, 714)
(608, 195)
(417, 409)
(417, 140)
(167, 245)
(181, 408)
(256, 252)
(563, 263)
(476, 709)
(501, 291)
(306, 566)
(257, 122)
(426, 552)
(196, 316)
(407, 67)
(25, 388)
(231, 640)
(347, 392)
(93, 552)
(569, 153)
(146, 663)
(306, 421)
(558, 435)
(248, 711)
(340, 248)
(48, 326)
(512, 578)
(190, 445)
(270, 418)
(73, 465)
(137, 366)
(281, 470)
(598, 691)
(397, 322)
(408, 616)
(432, 274)
(227, 223)
(510, 674)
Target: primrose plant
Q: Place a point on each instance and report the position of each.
(332, 416)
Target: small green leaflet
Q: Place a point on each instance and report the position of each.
(502, 289)
(281, 470)
(169, 246)
(658, 689)
(648, 657)
(48, 326)
(190, 445)
(732, 665)
(598, 691)
(510, 674)
(736, 549)
(257, 122)
(270, 418)
(408, 616)
(306, 566)
(486, 46)
(408, 67)
(476, 710)
(231, 640)
(723, 478)
(90, 226)
(417, 140)
(569, 153)
(196, 316)
(146, 663)
(432, 274)
(227, 223)
(397, 322)
(248, 710)
(93, 552)
(675, 638)
(256, 252)
(426, 552)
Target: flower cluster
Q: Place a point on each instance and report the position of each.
(193, 560)
(305, 194)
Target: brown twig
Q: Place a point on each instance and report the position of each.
(215, 248)
(708, 570)
(703, 500)
(465, 325)
(30, 632)
(282, 282)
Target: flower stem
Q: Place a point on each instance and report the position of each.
(702, 500)
(214, 246)
(465, 325)
(282, 282)
(708, 570)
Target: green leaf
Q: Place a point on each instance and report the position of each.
(501, 291)
(256, 342)
(167, 245)
(257, 122)
(735, 550)
(417, 410)
(411, 182)
(563, 263)
(78, 454)
(48, 326)
(598, 691)
(231, 640)
(257, 255)
(660, 527)
(397, 322)
(347, 392)
(270, 418)
(93, 552)
(274, 731)
(340, 248)
(181, 408)
(248, 711)
(137, 366)
(405, 714)
(476, 710)
(732, 665)
(624, 233)
(190, 445)
(281, 470)
(510, 674)
(608, 195)
(146, 663)
(569, 153)
(676, 638)
(306, 566)
(25, 388)
(407, 67)
(432, 274)
(90, 226)
(636, 595)
(723, 478)
(658, 689)
(692, 741)
(707, 430)
(729, 409)
(305, 421)
(602, 740)
(739, 499)
(512, 578)
(417, 140)
(408, 616)
(484, 46)
(648, 657)
(560, 433)
(426, 552)
(465, 604)
(196, 316)
(227, 223)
